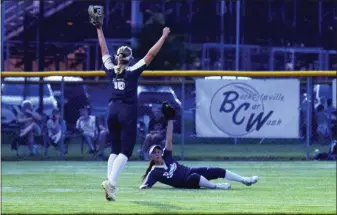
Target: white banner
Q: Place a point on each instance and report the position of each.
(248, 108)
(334, 93)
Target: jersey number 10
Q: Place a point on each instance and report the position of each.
(119, 85)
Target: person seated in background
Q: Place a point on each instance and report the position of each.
(86, 124)
(323, 127)
(56, 132)
(331, 155)
(103, 138)
(28, 121)
(329, 107)
(156, 135)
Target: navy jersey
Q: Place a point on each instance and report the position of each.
(171, 173)
(124, 84)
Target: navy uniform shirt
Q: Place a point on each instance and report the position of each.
(124, 84)
(172, 173)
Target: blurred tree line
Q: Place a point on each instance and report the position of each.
(172, 55)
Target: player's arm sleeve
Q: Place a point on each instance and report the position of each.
(167, 154)
(149, 181)
(107, 62)
(138, 68)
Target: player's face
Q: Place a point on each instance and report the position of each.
(156, 155)
(120, 59)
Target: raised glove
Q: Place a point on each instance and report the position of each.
(168, 111)
(96, 14)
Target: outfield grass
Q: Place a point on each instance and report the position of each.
(74, 187)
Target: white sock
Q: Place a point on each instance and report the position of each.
(206, 183)
(117, 167)
(233, 176)
(111, 160)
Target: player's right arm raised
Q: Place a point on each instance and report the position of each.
(96, 16)
(169, 135)
(101, 40)
(104, 48)
(169, 114)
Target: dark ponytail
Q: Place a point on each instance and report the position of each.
(148, 169)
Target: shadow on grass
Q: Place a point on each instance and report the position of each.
(161, 206)
(172, 189)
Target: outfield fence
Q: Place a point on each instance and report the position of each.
(223, 115)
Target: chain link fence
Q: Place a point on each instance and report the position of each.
(77, 98)
(220, 35)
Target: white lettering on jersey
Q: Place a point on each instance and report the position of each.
(171, 171)
(119, 84)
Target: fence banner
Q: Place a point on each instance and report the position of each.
(248, 108)
(334, 93)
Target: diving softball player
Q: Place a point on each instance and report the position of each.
(163, 168)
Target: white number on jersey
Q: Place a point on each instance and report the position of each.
(119, 84)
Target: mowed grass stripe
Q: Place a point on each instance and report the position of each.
(74, 187)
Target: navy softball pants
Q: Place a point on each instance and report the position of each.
(122, 125)
(210, 173)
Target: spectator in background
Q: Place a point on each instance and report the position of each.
(217, 65)
(196, 65)
(56, 132)
(289, 66)
(28, 121)
(329, 107)
(331, 155)
(156, 135)
(103, 138)
(323, 128)
(332, 116)
(87, 126)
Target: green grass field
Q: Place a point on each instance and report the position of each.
(52, 187)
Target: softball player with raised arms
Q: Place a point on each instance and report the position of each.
(122, 109)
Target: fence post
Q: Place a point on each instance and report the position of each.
(62, 110)
(182, 129)
(88, 57)
(3, 36)
(309, 117)
(8, 57)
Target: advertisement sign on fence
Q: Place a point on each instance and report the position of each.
(334, 93)
(248, 108)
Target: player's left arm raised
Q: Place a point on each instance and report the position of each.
(156, 47)
(139, 67)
